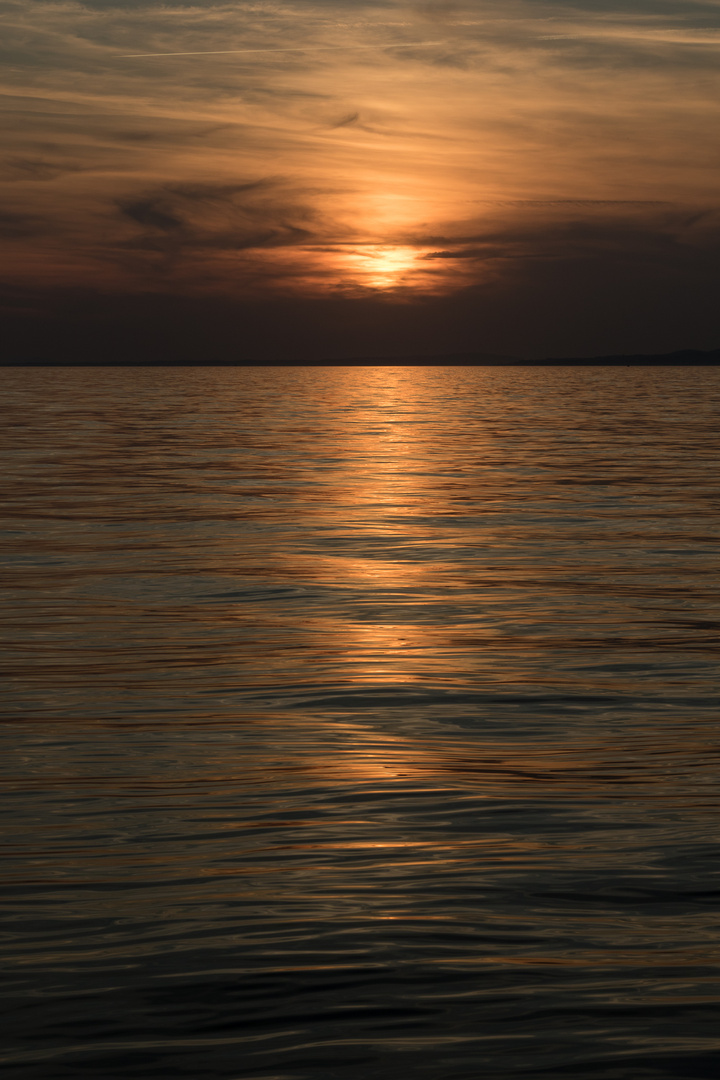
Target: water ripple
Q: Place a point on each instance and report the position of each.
(361, 722)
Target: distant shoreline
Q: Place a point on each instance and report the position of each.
(683, 358)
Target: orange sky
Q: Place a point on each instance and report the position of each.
(354, 150)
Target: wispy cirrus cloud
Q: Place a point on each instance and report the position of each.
(355, 149)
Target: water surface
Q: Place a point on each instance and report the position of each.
(361, 723)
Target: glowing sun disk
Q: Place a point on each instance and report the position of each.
(383, 267)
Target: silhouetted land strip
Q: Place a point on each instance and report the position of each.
(683, 357)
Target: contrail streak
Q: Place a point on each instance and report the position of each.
(301, 48)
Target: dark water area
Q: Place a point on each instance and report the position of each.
(361, 723)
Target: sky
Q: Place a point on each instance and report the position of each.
(342, 178)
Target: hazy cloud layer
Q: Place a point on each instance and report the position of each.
(396, 157)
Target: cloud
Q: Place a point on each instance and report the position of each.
(346, 121)
(543, 141)
(148, 211)
(463, 253)
(642, 280)
(606, 232)
(249, 237)
(18, 226)
(24, 169)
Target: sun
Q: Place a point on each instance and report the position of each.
(395, 269)
(383, 267)
(387, 265)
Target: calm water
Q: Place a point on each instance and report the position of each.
(361, 723)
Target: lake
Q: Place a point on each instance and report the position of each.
(361, 723)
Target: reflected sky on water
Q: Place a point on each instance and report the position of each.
(360, 721)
